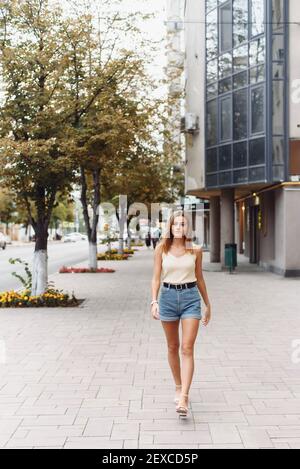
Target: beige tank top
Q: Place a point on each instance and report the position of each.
(178, 269)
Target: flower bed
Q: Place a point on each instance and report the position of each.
(52, 297)
(139, 243)
(125, 251)
(83, 270)
(112, 257)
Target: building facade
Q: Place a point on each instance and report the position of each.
(242, 81)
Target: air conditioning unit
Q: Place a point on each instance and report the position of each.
(295, 178)
(191, 122)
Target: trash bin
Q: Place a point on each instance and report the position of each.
(230, 256)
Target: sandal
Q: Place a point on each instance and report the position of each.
(182, 410)
(176, 399)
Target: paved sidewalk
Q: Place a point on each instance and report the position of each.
(97, 376)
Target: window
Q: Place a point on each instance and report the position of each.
(212, 160)
(211, 34)
(257, 17)
(212, 180)
(278, 70)
(278, 173)
(240, 22)
(210, 4)
(225, 157)
(278, 107)
(240, 80)
(240, 58)
(257, 174)
(257, 152)
(277, 15)
(257, 74)
(212, 90)
(212, 71)
(225, 27)
(240, 113)
(257, 110)
(226, 117)
(240, 155)
(246, 71)
(225, 85)
(278, 150)
(240, 176)
(257, 51)
(212, 123)
(225, 178)
(225, 65)
(278, 47)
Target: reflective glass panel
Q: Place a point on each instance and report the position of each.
(240, 154)
(240, 113)
(240, 22)
(240, 58)
(257, 17)
(257, 110)
(226, 117)
(211, 120)
(257, 51)
(225, 27)
(257, 151)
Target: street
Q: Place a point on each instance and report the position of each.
(59, 254)
(97, 376)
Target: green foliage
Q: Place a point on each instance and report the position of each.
(26, 281)
(75, 106)
(34, 140)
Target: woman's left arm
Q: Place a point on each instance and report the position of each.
(201, 285)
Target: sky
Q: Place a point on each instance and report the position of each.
(153, 29)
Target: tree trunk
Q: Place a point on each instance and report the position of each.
(122, 217)
(121, 244)
(91, 231)
(40, 226)
(92, 255)
(129, 240)
(40, 263)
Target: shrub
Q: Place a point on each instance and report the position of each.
(83, 270)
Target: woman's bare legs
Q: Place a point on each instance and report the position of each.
(190, 328)
(172, 334)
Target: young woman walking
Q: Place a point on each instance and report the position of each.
(180, 262)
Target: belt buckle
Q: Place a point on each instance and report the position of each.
(180, 287)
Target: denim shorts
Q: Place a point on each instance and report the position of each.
(179, 304)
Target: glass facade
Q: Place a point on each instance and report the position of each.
(245, 91)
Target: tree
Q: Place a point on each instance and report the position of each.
(34, 139)
(108, 112)
(144, 175)
(7, 207)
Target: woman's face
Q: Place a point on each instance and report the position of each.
(179, 227)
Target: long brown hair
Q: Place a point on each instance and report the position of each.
(167, 240)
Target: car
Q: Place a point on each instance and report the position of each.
(73, 237)
(2, 241)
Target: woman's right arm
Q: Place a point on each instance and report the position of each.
(155, 284)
